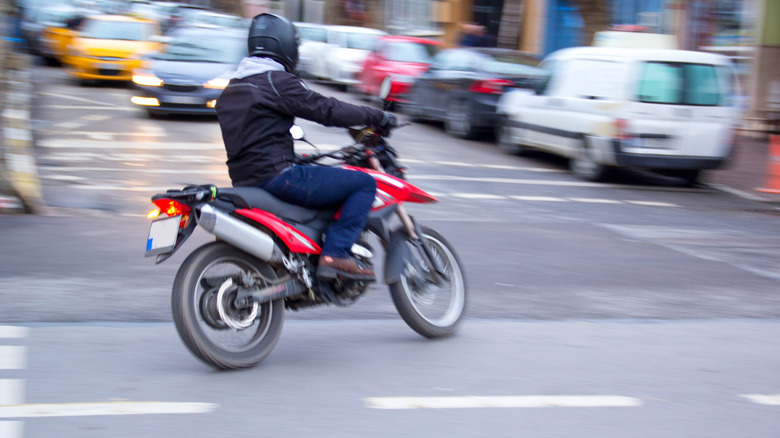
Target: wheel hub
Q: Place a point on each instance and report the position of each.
(219, 311)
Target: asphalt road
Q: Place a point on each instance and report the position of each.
(654, 303)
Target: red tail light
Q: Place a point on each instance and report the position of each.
(490, 86)
(621, 130)
(174, 208)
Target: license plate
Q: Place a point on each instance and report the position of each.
(182, 99)
(162, 236)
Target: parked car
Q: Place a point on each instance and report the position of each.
(342, 58)
(669, 110)
(190, 71)
(398, 61)
(109, 47)
(463, 85)
(314, 39)
(57, 36)
(38, 19)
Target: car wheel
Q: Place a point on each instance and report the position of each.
(584, 166)
(458, 120)
(412, 109)
(504, 138)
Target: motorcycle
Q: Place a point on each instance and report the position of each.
(230, 296)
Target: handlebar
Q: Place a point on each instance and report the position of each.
(366, 139)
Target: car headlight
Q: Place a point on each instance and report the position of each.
(217, 83)
(146, 78)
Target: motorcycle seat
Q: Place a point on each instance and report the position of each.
(255, 197)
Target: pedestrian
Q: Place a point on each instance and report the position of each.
(255, 113)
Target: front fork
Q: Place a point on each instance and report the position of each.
(435, 271)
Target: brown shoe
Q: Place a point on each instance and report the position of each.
(330, 267)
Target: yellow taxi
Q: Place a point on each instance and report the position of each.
(109, 47)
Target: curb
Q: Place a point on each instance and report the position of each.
(20, 186)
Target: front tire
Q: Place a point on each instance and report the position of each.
(202, 328)
(416, 299)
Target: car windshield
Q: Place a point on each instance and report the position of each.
(511, 64)
(680, 83)
(222, 50)
(363, 41)
(411, 52)
(313, 34)
(117, 30)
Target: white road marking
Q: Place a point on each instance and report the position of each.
(10, 331)
(538, 198)
(95, 117)
(11, 391)
(16, 114)
(595, 200)
(17, 134)
(13, 357)
(520, 401)
(11, 429)
(80, 99)
(222, 171)
(93, 409)
(763, 399)
(136, 145)
(82, 107)
(69, 125)
(477, 196)
(653, 203)
(508, 181)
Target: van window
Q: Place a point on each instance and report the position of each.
(679, 83)
(592, 79)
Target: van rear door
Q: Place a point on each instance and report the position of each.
(682, 109)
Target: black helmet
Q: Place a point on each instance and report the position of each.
(274, 37)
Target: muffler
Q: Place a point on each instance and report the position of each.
(239, 234)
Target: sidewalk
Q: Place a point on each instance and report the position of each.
(747, 169)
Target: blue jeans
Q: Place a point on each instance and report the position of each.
(329, 187)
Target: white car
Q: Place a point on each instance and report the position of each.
(672, 111)
(314, 40)
(343, 56)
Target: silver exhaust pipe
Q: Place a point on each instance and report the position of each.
(239, 234)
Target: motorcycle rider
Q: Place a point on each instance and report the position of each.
(255, 113)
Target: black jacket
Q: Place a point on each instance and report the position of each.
(257, 109)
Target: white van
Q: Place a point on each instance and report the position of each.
(603, 107)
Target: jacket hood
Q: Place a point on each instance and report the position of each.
(253, 65)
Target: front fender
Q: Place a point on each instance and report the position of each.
(397, 253)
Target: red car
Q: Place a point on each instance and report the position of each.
(398, 59)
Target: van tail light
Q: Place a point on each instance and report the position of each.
(621, 130)
(490, 86)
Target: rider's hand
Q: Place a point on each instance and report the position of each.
(389, 121)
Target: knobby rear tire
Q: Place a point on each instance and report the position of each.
(188, 315)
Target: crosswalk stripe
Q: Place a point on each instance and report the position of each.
(10, 331)
(11, 391)
(13, 357)
(523, 401)
(11, 429)
(94, 409)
